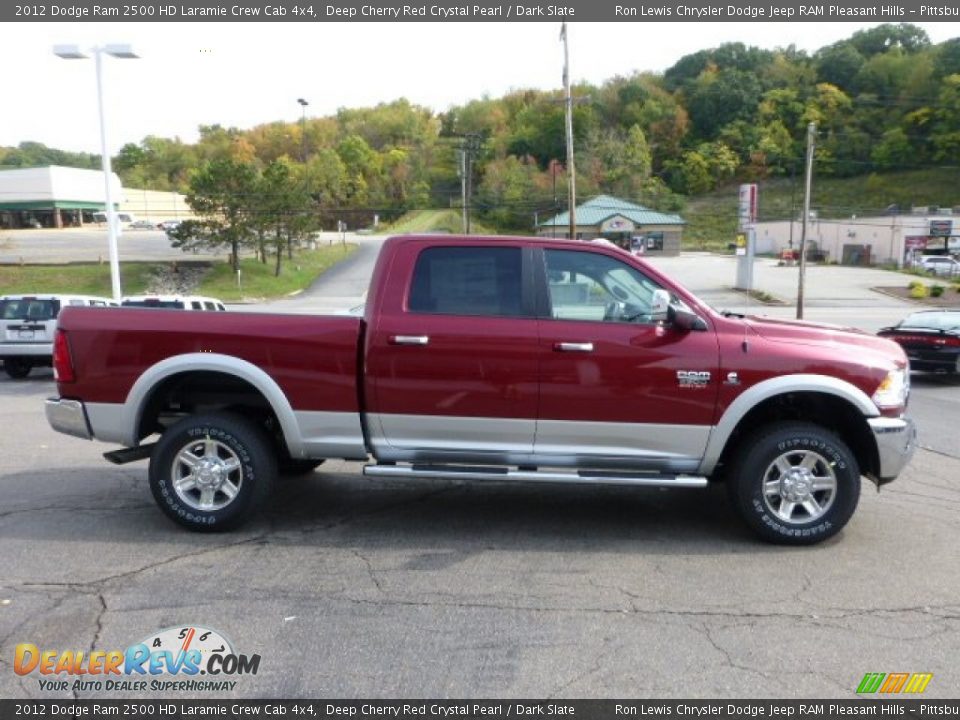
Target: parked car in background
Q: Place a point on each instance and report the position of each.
(173, 302)
(931, 339)
(142, 225)
(939, 265)
(27, 324)
(168, 225)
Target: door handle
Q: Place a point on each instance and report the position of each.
(573, 347)
(409, 339)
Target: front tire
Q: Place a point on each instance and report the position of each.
(794, 483)
(17, 368)
(210, 472)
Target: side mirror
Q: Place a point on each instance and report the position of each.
(686, 320)
(659, 305)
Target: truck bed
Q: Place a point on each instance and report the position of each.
(312, 358)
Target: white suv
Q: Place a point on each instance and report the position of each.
(27, 323)
(173, 302)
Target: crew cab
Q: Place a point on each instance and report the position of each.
(495, 358)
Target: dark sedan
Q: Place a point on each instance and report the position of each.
(930, 338)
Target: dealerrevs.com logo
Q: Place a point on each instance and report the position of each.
(187, 658)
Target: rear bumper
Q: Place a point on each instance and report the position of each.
(34, 350)
(896, 440)
(68, 417)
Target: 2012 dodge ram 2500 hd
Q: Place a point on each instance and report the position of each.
(495, 358)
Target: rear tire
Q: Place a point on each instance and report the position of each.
(794, 483)
(17, 368)
(210, 472)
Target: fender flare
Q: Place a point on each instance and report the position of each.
(781, 385)
(136, 399)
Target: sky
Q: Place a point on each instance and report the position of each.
(246, 74)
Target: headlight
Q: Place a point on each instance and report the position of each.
(893, 391)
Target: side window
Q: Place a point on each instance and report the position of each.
(195, 305)
(207, 305)
(594, 287)
(467, 281)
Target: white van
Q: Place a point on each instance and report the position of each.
(173, 302)
(124, 218)
(27, 324)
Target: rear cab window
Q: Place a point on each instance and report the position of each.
(478, 280)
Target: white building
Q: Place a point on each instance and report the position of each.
(57, 197)
(53, 196)
(876, 240)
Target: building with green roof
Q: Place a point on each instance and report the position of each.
(633, 227)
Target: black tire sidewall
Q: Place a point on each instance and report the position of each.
(17, 368)
(243, 438)
(746, 483)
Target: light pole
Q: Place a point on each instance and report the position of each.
(303, 130)
(124, 52)
(571, 172)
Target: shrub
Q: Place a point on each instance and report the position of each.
(936, 291)
(918, 292)
(913, 284)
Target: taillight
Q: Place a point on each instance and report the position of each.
(62, 362)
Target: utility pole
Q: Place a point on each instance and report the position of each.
(470, 147)
(556, 205)
(811, 143)
(462, 168)
(569, 104)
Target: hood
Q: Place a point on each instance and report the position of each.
(824, 335)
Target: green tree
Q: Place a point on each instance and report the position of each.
(223, 194)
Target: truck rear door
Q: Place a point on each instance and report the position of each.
(451, 357)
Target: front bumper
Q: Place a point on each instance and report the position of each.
(68, 417)
(896, 440)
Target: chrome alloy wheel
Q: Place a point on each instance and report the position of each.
(206, 475)
(799, 486)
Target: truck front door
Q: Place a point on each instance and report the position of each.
(618, 386)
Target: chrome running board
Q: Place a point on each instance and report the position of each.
(593, 477)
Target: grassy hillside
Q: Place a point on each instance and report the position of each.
(421, 221)
(712, 218)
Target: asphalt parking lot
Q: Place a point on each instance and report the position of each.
(350, 587)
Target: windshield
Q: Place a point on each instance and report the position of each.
(944, 321)
(29, 309)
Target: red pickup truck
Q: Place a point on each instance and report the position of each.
(494, 358)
